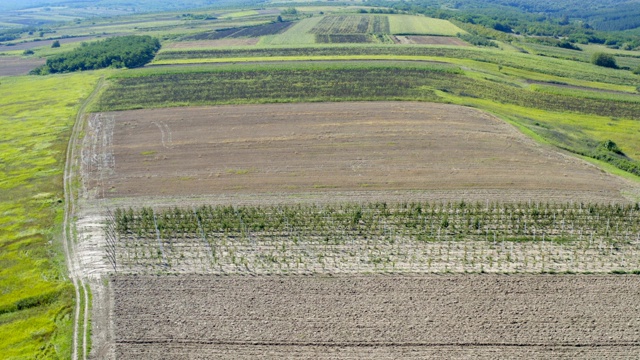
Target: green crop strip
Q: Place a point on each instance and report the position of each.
(370, 82)
(35, 297)
(279, 85)
(548, 66)
(374, 237)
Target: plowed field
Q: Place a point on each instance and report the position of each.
(330, 148)
(377, 317)
(11, 66)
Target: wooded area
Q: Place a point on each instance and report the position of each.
(118, 52)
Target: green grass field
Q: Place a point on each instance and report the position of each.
(627, 59)
(239, 14)
(36, 297)
(420, 25)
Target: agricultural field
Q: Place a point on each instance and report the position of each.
(206, 44)
(376, 317)
(573, 122)
(11, 66)
(515, 65)
(413, 82)
(352, 28)
(352, 24)
(627, 59)
(420, 25)
(43, 43)
(376, 238)
(319, 167)
(301, 148)
(245, 32)
(298, 34)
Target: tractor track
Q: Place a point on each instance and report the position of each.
(68, 238)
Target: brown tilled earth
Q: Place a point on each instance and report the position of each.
(329, 148)
(377, 317)
(13, 65)
(35, 44)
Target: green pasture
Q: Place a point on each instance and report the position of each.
(36, 298)
(420, 25)
(239, 14)
(572, 131)
(586, 93)
(629, 59)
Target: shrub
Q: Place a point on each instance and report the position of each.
(611, 147)
(604, 60)
(477, 40)
(56, 44)
(568, 45)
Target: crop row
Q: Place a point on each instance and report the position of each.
(251, 31)
(285, 85)
(526, 62)
(377, 237)
(344, 39)
(352, 24)
(338, 84)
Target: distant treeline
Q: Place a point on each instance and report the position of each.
(125, 51)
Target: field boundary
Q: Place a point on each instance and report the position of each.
(69, 234)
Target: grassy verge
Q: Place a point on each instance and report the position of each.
(36, 298)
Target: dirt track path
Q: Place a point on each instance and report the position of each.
(73, 263)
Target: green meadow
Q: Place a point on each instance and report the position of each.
(36, 297)
(420, 25)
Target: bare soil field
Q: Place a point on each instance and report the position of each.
(376, 317)
(38, 43)
(201, 44)
(12, 66)
(329, 148)
(429, 40)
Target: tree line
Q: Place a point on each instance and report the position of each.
(124, 51)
